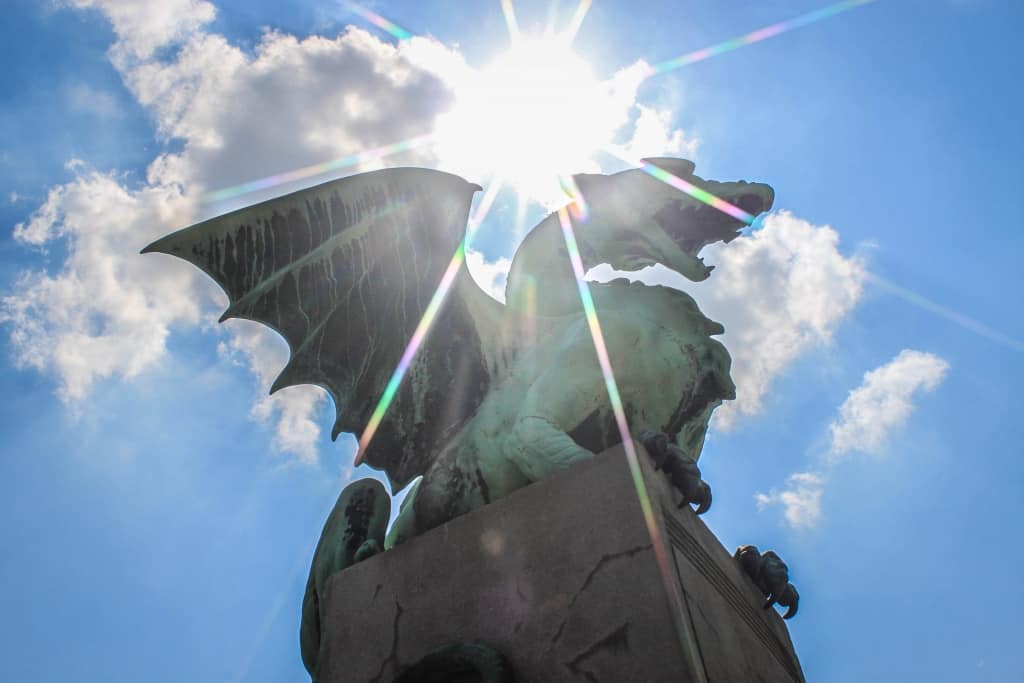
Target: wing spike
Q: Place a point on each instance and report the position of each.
(282, 381)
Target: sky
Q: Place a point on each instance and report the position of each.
(160, 511)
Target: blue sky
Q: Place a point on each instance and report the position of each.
(159, 512)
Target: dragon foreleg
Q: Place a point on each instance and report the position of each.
(353, 531)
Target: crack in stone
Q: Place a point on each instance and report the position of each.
(519, 591)
(393, 657)
(605, 559)
(617, 640)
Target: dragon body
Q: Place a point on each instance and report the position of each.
(498, 395)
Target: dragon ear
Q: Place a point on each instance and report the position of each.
(677, 167)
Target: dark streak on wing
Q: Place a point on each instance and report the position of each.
(344, 271)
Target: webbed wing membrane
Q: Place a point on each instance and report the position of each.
(344, 272)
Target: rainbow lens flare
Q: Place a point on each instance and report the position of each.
(426, 320)
(756, 36)
(578, 207)
(510, 19)
(378, 21)
(590, 312)
(317, 169)
(577, 20)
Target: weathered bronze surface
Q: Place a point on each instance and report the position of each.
(498, 396)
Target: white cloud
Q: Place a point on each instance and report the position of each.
(650, 133)
(106, 312)
(800, 500)
(490, 275)
(778, 292)
(884, 401)
(654, 136)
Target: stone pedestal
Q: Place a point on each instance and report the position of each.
(564, 578)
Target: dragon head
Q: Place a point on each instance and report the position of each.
(635, 220)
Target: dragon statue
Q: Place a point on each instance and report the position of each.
(498, 395)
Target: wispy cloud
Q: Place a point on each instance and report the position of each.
(800, 499)
(142, 28)
(490, 275)
(884, 401)
(654, 135)
(867, 418)
(84, 98)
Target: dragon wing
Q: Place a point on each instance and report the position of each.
(344, 271)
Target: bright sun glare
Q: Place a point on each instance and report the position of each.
(535, 113)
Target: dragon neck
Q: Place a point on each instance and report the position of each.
(498, 331)
(541, 279)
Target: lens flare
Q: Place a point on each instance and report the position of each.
(317, 169)
(536, 111)
(577, 20)
(447, 280)
(578, 207)
(756, 36)
(510, 19)
(697, 193)
(657, 541)
(378, 21)
(943, 312)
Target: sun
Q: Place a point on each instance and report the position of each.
(536, 113)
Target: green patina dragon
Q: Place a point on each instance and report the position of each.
(498, 395)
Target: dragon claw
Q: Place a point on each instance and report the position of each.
(771, 576)
(705, 499)
(791, 599)
(680, 468)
